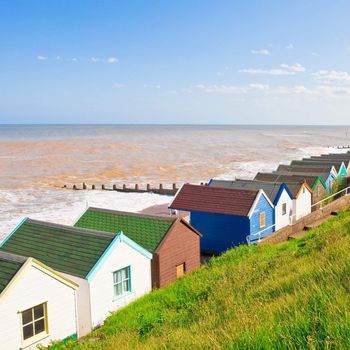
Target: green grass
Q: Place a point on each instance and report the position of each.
(290, 296)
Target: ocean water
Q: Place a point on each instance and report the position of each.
(37, 160)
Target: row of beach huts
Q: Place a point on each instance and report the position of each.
(59, 282)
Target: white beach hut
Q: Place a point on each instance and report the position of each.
(110, 269)
(37, 304)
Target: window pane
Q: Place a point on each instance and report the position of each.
(126, 286)
(39, 311)
(118, 289)
(126, 273)
(39, 326)
(117, 276)
(27, 316)
(28, 331)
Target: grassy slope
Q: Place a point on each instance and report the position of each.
(295, 296)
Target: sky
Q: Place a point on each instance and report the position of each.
(180, 61)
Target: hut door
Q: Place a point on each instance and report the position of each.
(180, 270)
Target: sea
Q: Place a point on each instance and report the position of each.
(36, 161)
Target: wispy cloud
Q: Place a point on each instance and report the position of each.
(94, 59)
(284, 69)
(261, 52)
(332, 75)
(112, 60)
(233, 89)
(290, 46)
(265, 89)
(347, 48)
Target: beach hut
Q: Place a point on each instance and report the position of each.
(315, 182)
(37, 304)
(338, 165)
(110, 269)
(226, 217)
(278, 194)
(337, 157)
(328, 173)
(174, 243)
(302, 199)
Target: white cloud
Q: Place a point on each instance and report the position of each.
(265, 89)
(297, 67)
(94, 59)
(112, 60)
(42, 58)
(348, 48)
(332, 75)
(118, 85)
(262, 52)
(232, 89)
(290, 46)
(284, 69)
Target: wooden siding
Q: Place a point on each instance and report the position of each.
(180, 245)
(102, 297)
(317, 194)
(281, 219)
(35, 287)
(220, 231)
(262, 206)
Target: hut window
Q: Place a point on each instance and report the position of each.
(262, 219)
(180, 270)
(122, 281)
(284, 208)
(303, 189)
(34, 321)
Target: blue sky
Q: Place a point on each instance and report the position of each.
(183, 61)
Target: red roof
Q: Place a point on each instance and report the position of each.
(219, 200)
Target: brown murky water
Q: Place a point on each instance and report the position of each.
(35, 161)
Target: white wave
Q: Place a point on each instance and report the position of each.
(65, 206)
(249, 169)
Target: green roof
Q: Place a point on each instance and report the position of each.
(148, 231)
(9, 266)
(63, 248)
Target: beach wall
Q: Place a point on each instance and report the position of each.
(283, 234)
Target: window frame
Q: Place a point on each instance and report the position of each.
(121, 282)
(38, 336)
(262, 215)
(284, 209)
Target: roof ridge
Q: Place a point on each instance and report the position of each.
(158, 217)
(12, 257)
(72, 228)
(223, 188)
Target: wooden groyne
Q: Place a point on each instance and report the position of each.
(165, 190)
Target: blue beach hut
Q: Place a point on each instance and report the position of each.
(226, 217)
